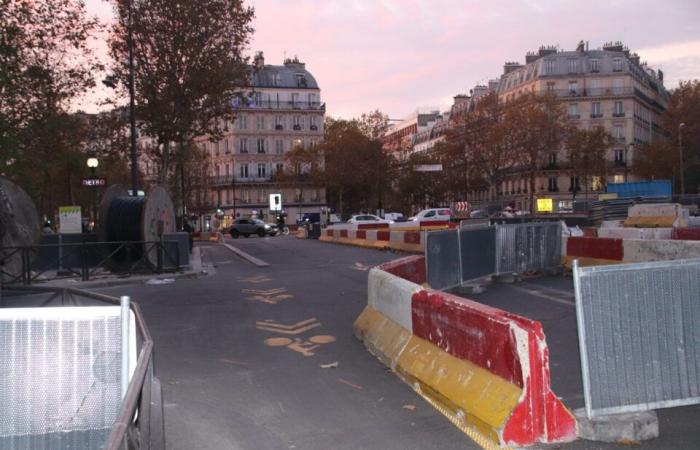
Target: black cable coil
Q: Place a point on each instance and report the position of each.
(124, 219)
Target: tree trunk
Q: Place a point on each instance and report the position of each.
(163, 176)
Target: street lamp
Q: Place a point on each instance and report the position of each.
(680, 156)
(92, 163)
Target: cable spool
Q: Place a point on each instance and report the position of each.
(19, 226)
(135, 219)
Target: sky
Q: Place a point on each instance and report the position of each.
(402, 55)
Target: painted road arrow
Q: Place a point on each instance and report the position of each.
(297, 328)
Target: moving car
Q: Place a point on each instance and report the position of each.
(362, 219)
(246, 227)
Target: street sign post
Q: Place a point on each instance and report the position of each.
(460, 210)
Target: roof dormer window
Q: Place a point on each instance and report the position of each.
(301, 80)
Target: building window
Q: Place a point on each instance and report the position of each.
(617, 65)
(548, 66)
(261, 145)
(226, 146)
(279, 167)
(298, 123)
(595, 110)
(552, 159)
(258, 99)
(295, 100)
(573, 111)
(618, 110)
(279, 123)
(620, 157)
(243, 145)
(552, 184)
(594, 85)
(216, 148)
(313, 124)
(301, 80)
(244, 171)
(596, 183)
(573, 65)
(574, 184)
(275, 79)
(618, 179)
(573, 87)
(312, 99)
(595, 65)
(550, 86)
(242, 122)
(228, 171)
(279, 146)
(260, 122)
(261, 170)
(618, 133)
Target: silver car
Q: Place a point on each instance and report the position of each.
(246, 227)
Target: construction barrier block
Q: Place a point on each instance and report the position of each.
(361, 234)
(383, 337)
(485, 400)
(372, 226)
(686, 234)
(599, 248)
(650, 222)
(411, 268)
(383, 235)
(343, 233)
(411, 237)
(329, 233)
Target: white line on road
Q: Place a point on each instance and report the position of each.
(539, 294)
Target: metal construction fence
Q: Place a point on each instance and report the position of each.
(66, 385)
(29, 264)
(527, 246)
(638, 335)
(455, 257)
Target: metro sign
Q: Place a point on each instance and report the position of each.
(94, 182)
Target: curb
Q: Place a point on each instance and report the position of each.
(245, 256)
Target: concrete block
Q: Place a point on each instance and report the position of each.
(623, 428)
(655, 209)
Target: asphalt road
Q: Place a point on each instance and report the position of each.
(239, 355)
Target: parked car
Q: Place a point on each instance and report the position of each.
(246, 227)
(432, 215)
(479, 214)
(395, 216)
(361, 219)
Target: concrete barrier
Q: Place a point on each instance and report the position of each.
(687, 234)
(485, 369)
(636, 233)
(381, 238)
(600, 251)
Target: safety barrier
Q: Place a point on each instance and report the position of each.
(639, 336)
(603, 251)
(485, 369)
(408, 241)
(688, 234)
(527, 246)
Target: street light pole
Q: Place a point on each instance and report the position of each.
(680, 156)
(132, 116)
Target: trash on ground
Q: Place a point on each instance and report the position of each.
(409, 407)
(332, 365)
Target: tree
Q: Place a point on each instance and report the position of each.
(661, 157)
(587, 150)
(373, 124)
(45, 63)
(189, 66)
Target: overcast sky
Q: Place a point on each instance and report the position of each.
(400, 55)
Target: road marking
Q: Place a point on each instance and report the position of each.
(269, 296)
(298, 345)
(233, 361)
(255, 280)
(344, 381)
(297, 328)
(539, 294)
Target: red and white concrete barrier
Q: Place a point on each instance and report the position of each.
(597, 251)
(409, 241)
(485, 369)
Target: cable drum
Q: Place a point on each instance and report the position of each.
(135, 219)
(19, 226)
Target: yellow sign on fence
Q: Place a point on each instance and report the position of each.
(545, 205)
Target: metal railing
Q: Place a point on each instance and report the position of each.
(270, 104)
(638, 335)
(455, 257)
(139, 423)
(28, 264)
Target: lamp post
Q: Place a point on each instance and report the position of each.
(680, 156)
(132, 107)
(92, 163)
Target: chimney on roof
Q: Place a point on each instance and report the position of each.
(510, 66)
(580, 47)
(660, 75)
(531, 57)
(259, 60)
(547, 50)
(613, 46)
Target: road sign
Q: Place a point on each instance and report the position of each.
(275, 202)
(460, 210)
(94, 182)
(69, 220)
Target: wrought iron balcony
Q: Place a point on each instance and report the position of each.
(280, 105)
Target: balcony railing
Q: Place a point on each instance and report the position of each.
(273, 104)
(594, 92)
